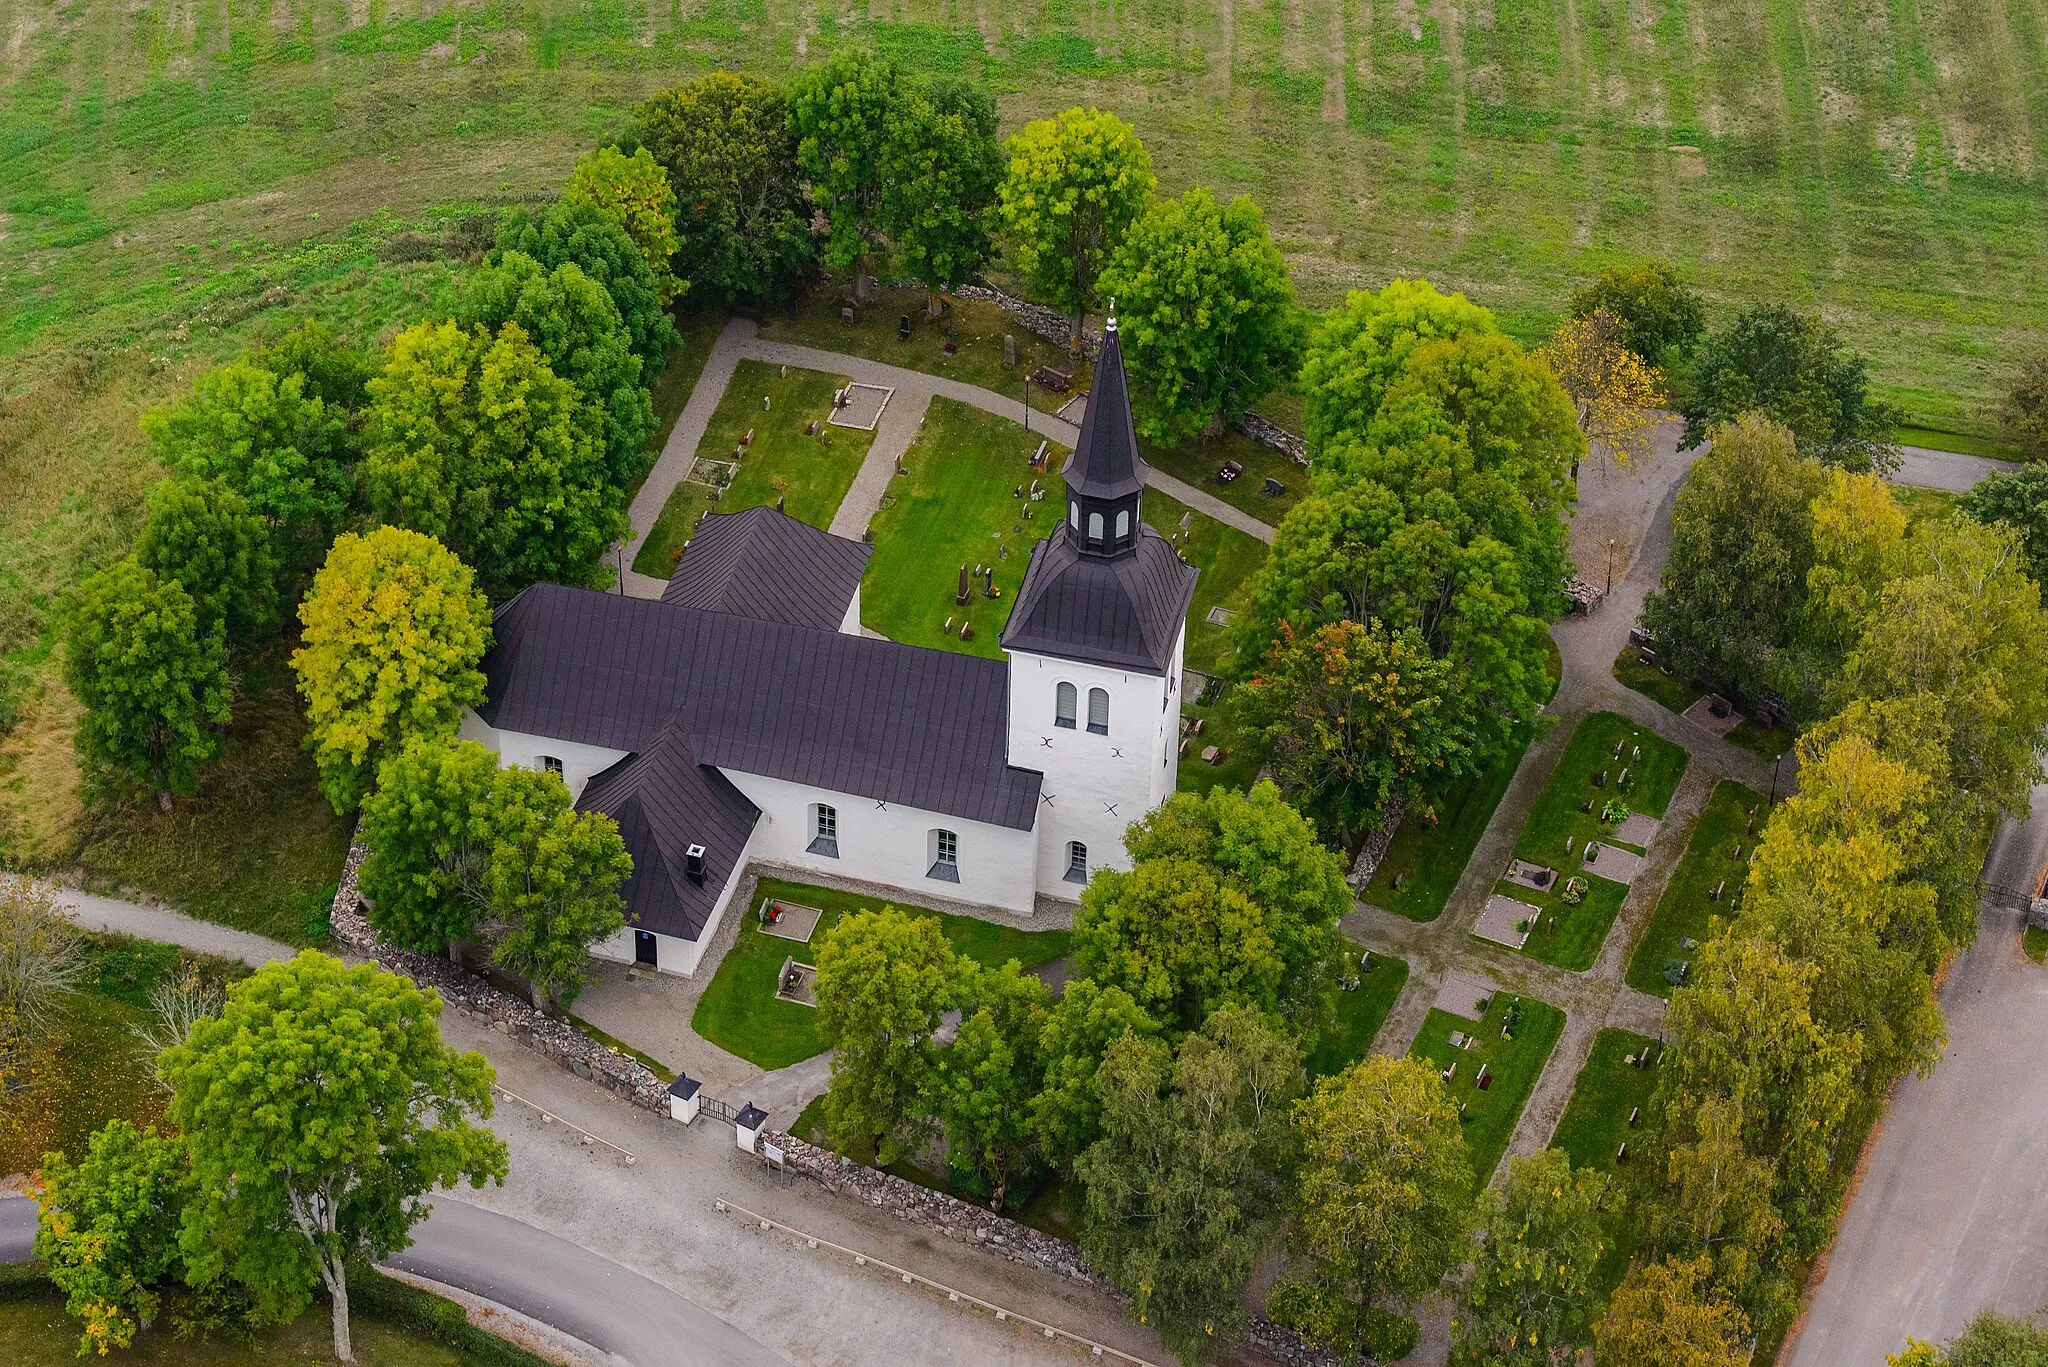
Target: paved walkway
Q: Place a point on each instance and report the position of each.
(740, 340)
(1921, 468)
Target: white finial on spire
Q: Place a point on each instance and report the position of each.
(1110, 325)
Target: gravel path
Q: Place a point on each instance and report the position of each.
(170, 927)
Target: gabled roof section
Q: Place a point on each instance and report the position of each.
(665, 800)
(856, 715)
(1124, 612)
(766, 564)
(1106, 463)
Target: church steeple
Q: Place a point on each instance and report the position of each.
(1105, 476)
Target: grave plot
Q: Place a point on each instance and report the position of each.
(1366, 992)
(1708, 883)
(1610, 1105)
(1490, 1058)
(1586, 837)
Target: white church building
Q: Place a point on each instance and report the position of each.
(743, 717)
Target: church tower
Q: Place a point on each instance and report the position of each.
(1095, 642)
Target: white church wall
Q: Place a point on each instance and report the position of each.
(1098, 784)
(891, 846)
(580, 763)
(849, 625)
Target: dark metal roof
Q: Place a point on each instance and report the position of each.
(872, 718)
(665, 801)
(763, 563)
(1124, 611)
(1105, 463)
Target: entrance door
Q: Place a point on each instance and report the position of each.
(643, 947)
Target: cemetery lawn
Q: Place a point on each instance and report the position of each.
(2034, 944)
(1359, 1015)
(1686, 910)
(955, 503)
(811, 474)
(1925, 505)
(1570, 936)
(1227, 558)
(1197, 462)
(1668, 691)
(257, 848)
(739, 1011)
(680, 371)
(980, 325)
(95, 1069)
(1428, 857)
(1595, 1122)
(1512, 1066)
(1222, 727)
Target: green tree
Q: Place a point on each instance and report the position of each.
(2025, 414)
(1991, 1340)
(1076, 184)
(320, 1107)
(109, 1230)
(204, 536)
(562, 234)
(1794, 370)
(1083, 1023)
(1231, 899)
(1660, 318)
(331, 369)
(1354, 719)
(885, 980)
(844, 113)
(1186, 1186)
(1741, 548)
(394, 628)
(473, 439)
(153, 685)
(2020, 501)
(554, 878)
(939, 189)
(1666, 1315)
(987, 1077)
(1383, 1197)
(1362, 346)
(725, 140)
(1530, 1300)
(272, 439)
(430, 827)
(572, 320)
(1206, 313)
(633, 191)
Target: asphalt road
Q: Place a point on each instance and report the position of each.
(539, 1275)
(1951, 1215)
(1945, 470)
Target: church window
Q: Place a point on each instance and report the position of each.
(1077, 862)
(1098, 711)
(1123, 526)
(1066, 699)
(945, 852)
(824, 830)
(1095, 528)
(550, 765)
(1074, 516)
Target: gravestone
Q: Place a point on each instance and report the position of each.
(1009, 349)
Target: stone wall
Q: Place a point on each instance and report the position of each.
(1375, 848)
(468, 995)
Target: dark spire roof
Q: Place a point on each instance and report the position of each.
(1124, 611)
(1106, 464)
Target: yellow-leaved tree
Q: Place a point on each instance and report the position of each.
(1618, 396)
(634, 192)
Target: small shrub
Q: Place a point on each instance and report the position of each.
(1615, 812)
(1574, 891)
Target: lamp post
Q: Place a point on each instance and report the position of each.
(1610, 565)
(1027, 401)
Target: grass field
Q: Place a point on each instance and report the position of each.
(1427, 856)
(1512, 1067)
(1241, 759)
(1674, 694)
(1197, 463)
(1360, 1014)
(1227, 559)
(1595, 1122)
(810, 474)
(1556, 833)
(1686, 910)
(739, 1010)
(953, 505)
(2034, 944)
(977, 327)
(37, 1333)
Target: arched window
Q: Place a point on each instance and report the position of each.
(1074, 515)
(1095, 528)
(1098, 711)
(824, 830)
(1123, 526)
(1077, 862)
(1066, 700)
(944, 848)
(550, 765)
